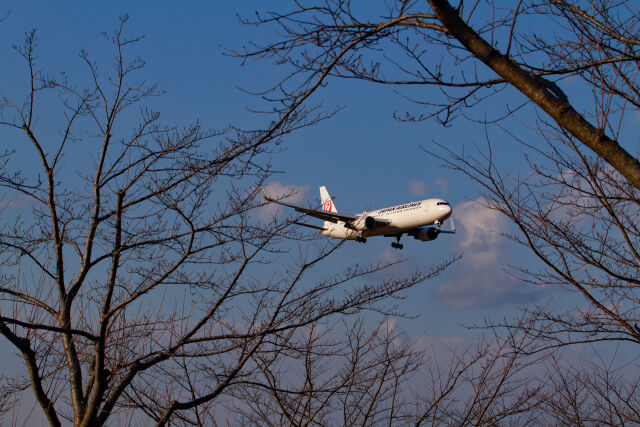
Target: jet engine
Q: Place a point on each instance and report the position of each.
(426, 233)
(369, 223)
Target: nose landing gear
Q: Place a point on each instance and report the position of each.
(397, 244)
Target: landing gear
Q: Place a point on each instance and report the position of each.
(397, 244)
(361, 239)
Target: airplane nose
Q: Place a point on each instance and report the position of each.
(446, 210)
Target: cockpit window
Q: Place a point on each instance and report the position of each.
(442, 203)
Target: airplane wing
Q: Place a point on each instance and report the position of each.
(452, 225)
(316, 213)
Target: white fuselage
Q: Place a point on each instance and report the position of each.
(396, 219)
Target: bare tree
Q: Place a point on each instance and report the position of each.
(374, 378)
(359, 378)
(138, 284)
(576, 209)
(579, 218)
(406, 44)
(595, 393)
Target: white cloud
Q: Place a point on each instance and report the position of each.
(442, 185)
(480, 225)
(392, 329)
(479, 279)
(17, 201)
(277, 190)
(388, 256)
(418, 188)
(439, 345)
(488, 287)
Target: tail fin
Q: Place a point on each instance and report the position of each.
(325, 199)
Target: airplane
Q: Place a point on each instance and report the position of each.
(421, 219)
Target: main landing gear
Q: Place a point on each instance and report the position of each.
(361, 239)
(397, 244)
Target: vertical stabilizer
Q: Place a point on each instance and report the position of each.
(327, 205)
(325, 199)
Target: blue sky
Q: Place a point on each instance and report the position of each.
(364, 157)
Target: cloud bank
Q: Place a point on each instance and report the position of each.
(479, 279)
